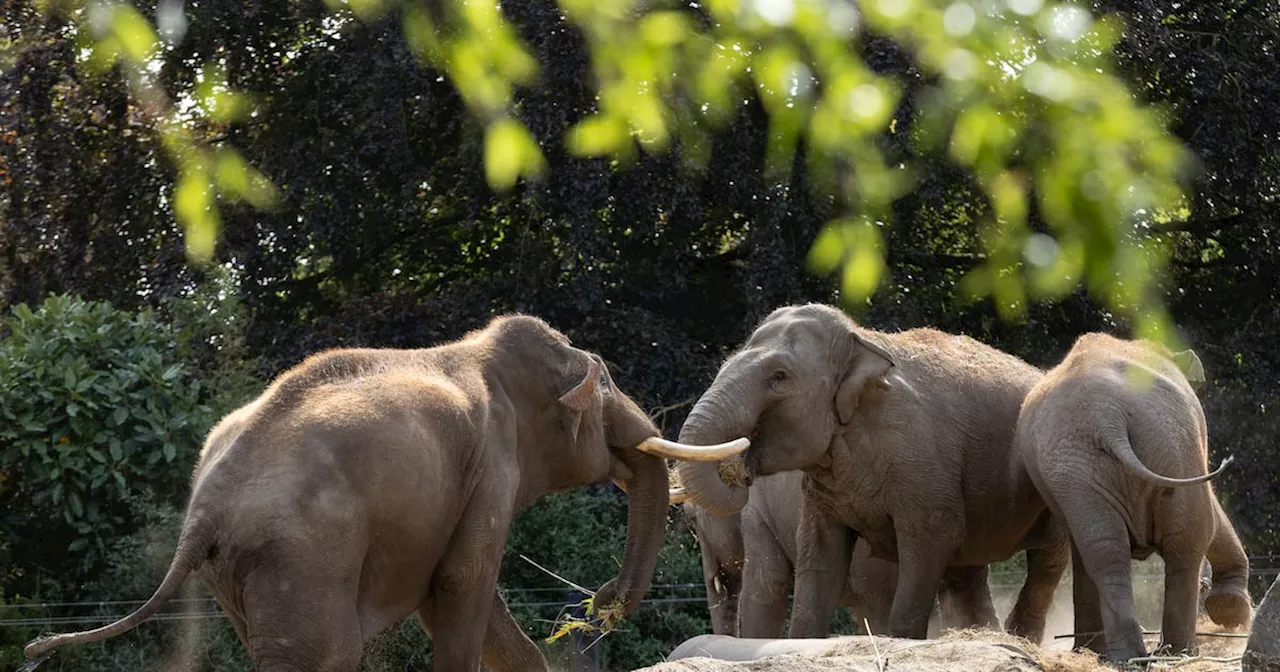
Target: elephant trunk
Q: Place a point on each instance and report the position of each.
(646, 523)
(721, 414)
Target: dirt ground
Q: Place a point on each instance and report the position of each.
(963, 651)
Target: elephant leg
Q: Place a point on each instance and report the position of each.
(506, 647)
(1228, 603)
(724, 586)
(824, 548)
(296, 623)
(922, 562)
(463, 587)
(1087, 607)
(1045, 567)
(766, 580)
(1181, 604)
(965, 598)
(1102, 540)
(871, 585)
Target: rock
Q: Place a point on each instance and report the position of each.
(1262, 653)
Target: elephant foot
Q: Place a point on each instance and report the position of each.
(1229, 607)
(1030, 629)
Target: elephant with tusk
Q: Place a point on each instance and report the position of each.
(748, 564)
(905, 440)
(368, 484)
(1116, 442)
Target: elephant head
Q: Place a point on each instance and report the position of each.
(797, 379)
(591, 431)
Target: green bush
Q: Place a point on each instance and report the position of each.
(102, 414)
(97, 414)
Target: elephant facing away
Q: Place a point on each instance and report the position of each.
(364, 485)
(748, 562)
(905, 440)
(1115, 440)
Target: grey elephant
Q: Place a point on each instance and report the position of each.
(905, 440)
(748, 562)
(365, 484)
(1116, 442)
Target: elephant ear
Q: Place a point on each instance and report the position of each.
(576, 401)
(867, 370)
(1189, 362)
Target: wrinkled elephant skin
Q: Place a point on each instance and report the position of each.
(365, 485)
(748, 581)
(1116, 442)
(905, 440)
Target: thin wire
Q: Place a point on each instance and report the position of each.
(217, 613)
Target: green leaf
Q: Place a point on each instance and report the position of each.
(509, 152)
(96, 454)
(119, 416)
(134, 33)
(170, 451)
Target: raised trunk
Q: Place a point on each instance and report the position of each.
(646, 523)
(720, 415)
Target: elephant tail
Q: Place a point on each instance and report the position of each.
(1118, 444)
(193, 547)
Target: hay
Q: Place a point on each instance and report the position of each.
(959, 651)
(733, 470)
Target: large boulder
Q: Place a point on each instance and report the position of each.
(1262, 653)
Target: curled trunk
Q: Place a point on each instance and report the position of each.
(646, 522)
(720, 415)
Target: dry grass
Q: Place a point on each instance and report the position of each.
(962, 651)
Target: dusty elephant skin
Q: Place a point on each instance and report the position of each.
(748, 562)
(1262, 654)
(905, 440)
(365, 485)
(1115, 440)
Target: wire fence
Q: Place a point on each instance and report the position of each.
(200, 608)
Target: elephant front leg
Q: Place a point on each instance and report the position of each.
(824, 548)
(766, 580)
(921, 565)
(506, 647)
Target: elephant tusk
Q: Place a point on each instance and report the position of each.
(656, 445)
(674, 495)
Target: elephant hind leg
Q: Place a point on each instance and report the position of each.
(1228, 603)
(965, 598)
(1181, 597)
(296, 624)
(1102, 540)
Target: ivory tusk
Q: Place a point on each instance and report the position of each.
(674, 495)
(657, 445)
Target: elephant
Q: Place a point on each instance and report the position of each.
(904, 439)
(748, 560)
(1115, 439)
(366, 484)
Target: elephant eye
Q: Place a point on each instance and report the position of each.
(777, 377)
